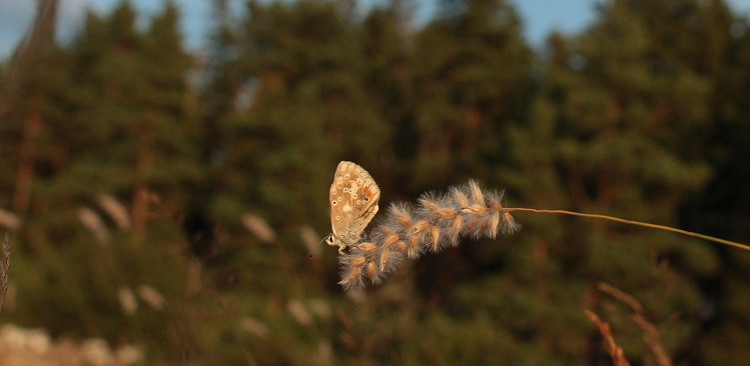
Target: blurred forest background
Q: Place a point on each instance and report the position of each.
(171, 201)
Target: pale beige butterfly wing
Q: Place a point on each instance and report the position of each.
(354, 199)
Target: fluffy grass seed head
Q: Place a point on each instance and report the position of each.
(437, 222)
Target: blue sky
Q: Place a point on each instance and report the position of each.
(540, 16)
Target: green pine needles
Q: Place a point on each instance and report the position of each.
(438, 221)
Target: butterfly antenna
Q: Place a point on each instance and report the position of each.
(320, 245)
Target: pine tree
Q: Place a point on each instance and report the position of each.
(117, 131)
(719, 50)
(604, 137)
(24, 105)
(386, 37)
(298, 104)
(472, 80)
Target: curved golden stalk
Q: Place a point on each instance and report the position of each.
(636, 223)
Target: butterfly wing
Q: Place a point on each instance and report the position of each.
(354, 197)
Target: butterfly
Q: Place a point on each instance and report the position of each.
(354, 199)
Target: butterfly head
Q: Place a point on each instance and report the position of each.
(331, 240)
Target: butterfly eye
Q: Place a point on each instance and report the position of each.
(334, 203)
(346, 190)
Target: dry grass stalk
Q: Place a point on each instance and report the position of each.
(194, 275)
(651, 334)
(9, 220)
(128, 302)
(310, 240)
(614, 349)
(4, 267)
(436, 223)
(91, 220)
(152, 297)
(19, 346)
(115, 210)
(254, 326)
(259, 227)
(634, 223)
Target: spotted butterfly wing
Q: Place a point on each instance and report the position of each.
(354, 199)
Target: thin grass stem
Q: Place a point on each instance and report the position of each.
(636, 223)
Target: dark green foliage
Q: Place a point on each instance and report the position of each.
(644, 115)
(464, 100)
